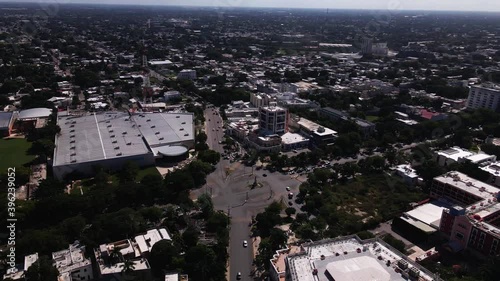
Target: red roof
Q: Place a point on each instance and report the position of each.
(424, 113)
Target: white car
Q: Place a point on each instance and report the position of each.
(287, 188)
(245, 243)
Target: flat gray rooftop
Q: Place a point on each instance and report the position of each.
(116, 134)
(97, 137)
(160, 129)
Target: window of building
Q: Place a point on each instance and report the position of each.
(481, 240)
(494, 247)
(459, 235)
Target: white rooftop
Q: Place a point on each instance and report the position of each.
(69, 259)
(468, 184)
(172, 277)
(160, 62)
(360, 268)
(140, 264)
(455, 153)
(407, 170)
(493, 168)
(146, 241)
(34, 113)
(29, 260)
(349, 259)
(291, 138)
(480, 157)
(429, 213)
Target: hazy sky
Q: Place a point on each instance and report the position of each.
(463, 5)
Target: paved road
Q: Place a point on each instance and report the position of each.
(232, 193)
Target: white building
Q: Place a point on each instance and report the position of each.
(188, 74)
(407, 173)
(72, 264)
(273, 119)
(18, 272)
(110, 264)
(494, 170)
(461, 155)
(170, 95)
(260, 99)
(346, 259)
(110, 139)
(486, 95)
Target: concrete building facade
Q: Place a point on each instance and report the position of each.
(486, 95)
(273, 119)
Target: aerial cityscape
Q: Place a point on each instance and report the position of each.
(250, 141)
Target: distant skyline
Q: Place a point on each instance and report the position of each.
(435, 5)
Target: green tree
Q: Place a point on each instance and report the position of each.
(49, 187)
(290, 211)
(43, 270)
(129, 172)
(190, 237)
(206, 205)
(162, 257)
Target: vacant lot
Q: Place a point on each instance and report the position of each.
(13, 153)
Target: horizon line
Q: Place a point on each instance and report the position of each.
(238, 7)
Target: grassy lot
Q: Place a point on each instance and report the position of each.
(147, 171)
(14, 153)
(371, 118)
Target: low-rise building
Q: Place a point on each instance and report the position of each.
(72, 264)
(460, 155)
(494, 170)
(346, 258)
(18, 272)
(408, 174)
(318, 134)
(111, 257)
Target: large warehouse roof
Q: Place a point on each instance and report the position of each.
(97, 137)
(34, 113)
(161, 129)
(117, 134)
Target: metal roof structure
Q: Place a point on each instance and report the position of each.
(110, 135)
(160, 129)
(97, 137)
(34, 113)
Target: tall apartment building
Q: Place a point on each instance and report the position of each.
(188, 74)
(366, 46)
(260, 99)
(486, 95)
(273, 119)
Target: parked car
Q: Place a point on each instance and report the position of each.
(245, 243)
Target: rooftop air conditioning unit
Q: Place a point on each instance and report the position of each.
(114, 141)
(117, 147)
(119, 154)
(124, 133)
(129, 143)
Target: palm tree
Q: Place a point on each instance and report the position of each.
(127, 266)
(116, 255)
